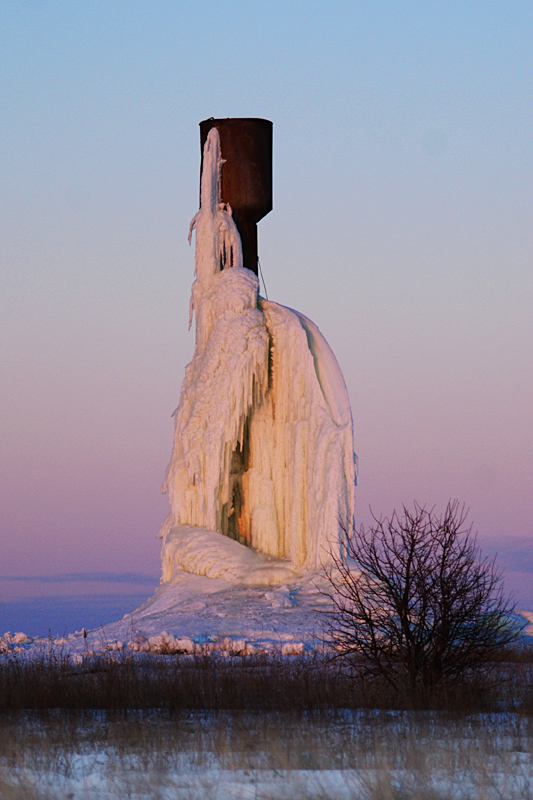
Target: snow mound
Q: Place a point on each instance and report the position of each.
(526, 620)
(210, 553)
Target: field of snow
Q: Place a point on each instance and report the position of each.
(364, 755)
(197, 613)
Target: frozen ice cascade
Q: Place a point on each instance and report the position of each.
(262, 473)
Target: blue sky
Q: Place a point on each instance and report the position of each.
(401, 226)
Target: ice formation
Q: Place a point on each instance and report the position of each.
(263, 446)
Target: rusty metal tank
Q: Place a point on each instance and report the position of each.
(246, 181)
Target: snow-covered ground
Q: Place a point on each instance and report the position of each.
(196, 613)
(209, 613)
(364, 755)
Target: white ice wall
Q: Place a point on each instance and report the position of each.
(263, 391)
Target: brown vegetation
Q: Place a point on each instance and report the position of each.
(307, 683)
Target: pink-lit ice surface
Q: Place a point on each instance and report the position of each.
(262, 474)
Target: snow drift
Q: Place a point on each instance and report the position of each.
(263, 445)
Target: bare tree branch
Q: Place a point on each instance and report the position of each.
(414, 601)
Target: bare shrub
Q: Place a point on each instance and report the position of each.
(415, 603)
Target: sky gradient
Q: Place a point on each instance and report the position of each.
(403, 183)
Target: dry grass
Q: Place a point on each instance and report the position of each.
(253, 683)
(364, 755)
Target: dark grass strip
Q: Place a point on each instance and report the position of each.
(248, 683)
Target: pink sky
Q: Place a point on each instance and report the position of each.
(401, 226)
